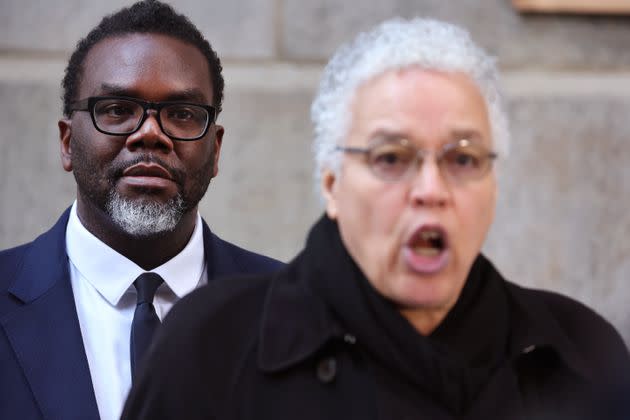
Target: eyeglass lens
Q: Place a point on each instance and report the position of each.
(393, 161)
(120, 116)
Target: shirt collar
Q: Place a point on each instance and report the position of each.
(111, 273)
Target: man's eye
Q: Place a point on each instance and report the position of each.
(182, 114)
(117, 110)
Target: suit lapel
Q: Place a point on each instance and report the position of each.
(45, 334)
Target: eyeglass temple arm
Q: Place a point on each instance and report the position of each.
(352, 149)
(79, 105)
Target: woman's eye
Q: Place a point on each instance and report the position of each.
(465, 159)
(391, 155)
(390, 163)
(388, 158)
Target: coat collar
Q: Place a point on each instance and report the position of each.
(296, 324)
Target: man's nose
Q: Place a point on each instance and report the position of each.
(150, 135)
(429, 188)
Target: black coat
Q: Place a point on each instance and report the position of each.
(271, 347)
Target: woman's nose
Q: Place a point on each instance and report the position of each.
(429, 188)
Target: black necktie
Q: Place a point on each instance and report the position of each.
(145, 320)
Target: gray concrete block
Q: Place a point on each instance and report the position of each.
(239, 28)
(263, 197)
(562, 221)
(33, 186)
(313, 30)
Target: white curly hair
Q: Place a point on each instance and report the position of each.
(393, 45)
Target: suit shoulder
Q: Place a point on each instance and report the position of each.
(11, 254)
(248, 261)
(12, 259)
(10, 262)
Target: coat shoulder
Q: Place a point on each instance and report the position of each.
(590, 334)
(228, 309)
(237, 297)
(577, 319)
(203, 343)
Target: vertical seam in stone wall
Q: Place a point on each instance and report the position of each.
(278, 29)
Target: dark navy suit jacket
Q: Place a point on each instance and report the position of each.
(44, 371)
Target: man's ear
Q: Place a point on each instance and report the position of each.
(65, 134)
(218, 141)
(329, 191)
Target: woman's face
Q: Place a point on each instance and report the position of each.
(415, 239)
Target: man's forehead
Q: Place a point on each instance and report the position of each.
(128, 60)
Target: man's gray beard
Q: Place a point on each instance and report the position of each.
(145, 218)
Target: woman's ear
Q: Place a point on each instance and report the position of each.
(329, 191)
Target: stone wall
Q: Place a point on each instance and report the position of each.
(562, 220)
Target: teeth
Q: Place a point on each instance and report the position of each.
(430, 243)
(426, 251)
(428, 235)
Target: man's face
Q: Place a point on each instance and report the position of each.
(144, 175)
(383, 224)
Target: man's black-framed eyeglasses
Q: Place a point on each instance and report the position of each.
(122, 116)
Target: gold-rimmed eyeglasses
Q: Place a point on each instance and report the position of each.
(396, 160)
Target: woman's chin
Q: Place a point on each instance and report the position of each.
(426, 294)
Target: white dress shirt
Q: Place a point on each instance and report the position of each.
(102, 283)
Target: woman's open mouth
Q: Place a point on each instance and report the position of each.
(427, 251)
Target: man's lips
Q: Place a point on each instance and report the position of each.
(148, 175)
(147, 170)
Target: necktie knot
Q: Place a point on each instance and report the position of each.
(146, 285)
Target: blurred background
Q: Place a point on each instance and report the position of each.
(563, 221)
